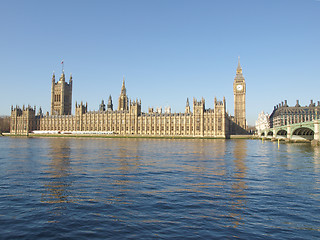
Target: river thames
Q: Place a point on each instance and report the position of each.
(78, 188)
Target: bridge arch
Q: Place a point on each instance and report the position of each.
(262, 134)
(270, 133)
(281, 133)
(303, 133)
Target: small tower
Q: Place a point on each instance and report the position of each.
(110, 105)
(102, 106)
(187, 107)
(220, 117)
(61, 95)
(123, 98)
(239, 91)
(198, 116)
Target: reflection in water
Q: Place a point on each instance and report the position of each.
(157, 189)
(58, 172)
(238, 195)
(316, 159)
(126, 156)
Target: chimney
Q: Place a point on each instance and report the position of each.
(312, 104)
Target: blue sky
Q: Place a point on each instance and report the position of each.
(167, 50)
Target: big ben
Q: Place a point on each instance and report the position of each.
(239, 91)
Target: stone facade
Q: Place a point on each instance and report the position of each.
(61, 96)
(262, 122)
(128, 119)
(239, 91)
(23, 120)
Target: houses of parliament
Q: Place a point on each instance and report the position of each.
(128, 119)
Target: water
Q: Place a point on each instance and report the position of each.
(70, 188)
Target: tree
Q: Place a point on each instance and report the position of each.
(4, 124)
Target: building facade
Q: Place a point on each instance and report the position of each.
(128, 119)
(61, 96)
(284, 115)
(239, 91)
(262, 122)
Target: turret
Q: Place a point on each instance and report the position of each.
(187, 107)
(110, 105)
(102, 106)
(62, 77)
(123, 98)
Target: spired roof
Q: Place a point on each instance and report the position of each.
(123, 88)
(239, 76)
(62, 77)
(187, 104)
(239, 69)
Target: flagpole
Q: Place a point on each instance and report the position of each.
(62, 64)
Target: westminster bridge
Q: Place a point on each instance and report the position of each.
(297, 131)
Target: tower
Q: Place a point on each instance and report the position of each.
(110, 105)
(102, 106)
(187, 106)
(220, 117)
(239, 91)
(123, 99)
(198, 116)
(61, 96)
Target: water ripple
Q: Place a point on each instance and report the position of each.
(157, 189)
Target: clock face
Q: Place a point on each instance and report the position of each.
(239, 87)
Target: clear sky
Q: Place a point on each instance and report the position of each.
(167, 50)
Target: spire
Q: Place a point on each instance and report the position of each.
(102, 106)
(123, 88)
(53, 77)
(187, 106)
(62, 77)
(123, 98)
(110, 105)
(239, 69)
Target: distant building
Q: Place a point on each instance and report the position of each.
(284, 115)
(128, 119)
(262, 122)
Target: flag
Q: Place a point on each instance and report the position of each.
(62, 62)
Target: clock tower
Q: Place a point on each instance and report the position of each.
(239, 91)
